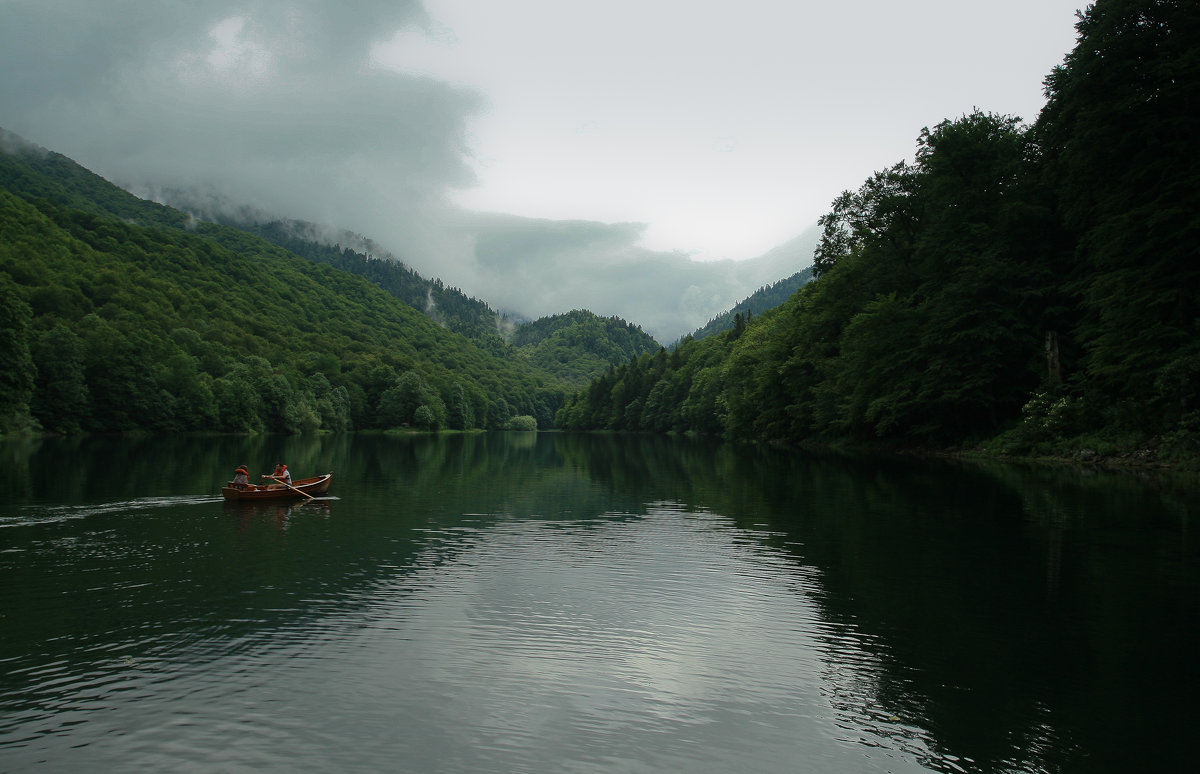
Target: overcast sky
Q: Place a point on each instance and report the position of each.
(544, 155)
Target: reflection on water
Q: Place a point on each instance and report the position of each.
(546, 603)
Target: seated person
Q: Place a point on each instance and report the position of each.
(241, 478)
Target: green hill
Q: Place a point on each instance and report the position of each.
(120, 314)
(448, 306)
(765, 298)
(573, 347)
(578, 346)
(33, 172)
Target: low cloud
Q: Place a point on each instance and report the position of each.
(269, 103)
(541, 267)
(275, 105)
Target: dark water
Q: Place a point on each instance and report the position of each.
(522, 603)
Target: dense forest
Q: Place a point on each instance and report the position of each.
(448, 306)
(120, 314)
(579, 345)
(574, 347)
(123, 315)
(1029, 288)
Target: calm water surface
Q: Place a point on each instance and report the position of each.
(550, 603)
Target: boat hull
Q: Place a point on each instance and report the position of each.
(314, 486)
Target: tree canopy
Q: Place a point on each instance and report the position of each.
(1028, 287)
(111, 326)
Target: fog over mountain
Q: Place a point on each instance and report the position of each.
(327, 113)
(537, 267)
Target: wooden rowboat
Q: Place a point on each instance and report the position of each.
(308, 486)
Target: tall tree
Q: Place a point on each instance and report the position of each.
(1119, 135)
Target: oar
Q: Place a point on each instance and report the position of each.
(294, 489)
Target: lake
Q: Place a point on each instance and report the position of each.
(520, 602)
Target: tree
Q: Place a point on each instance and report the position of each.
(61, 399)
(399, 403)
(17, 377)
(498, 412)
(1118, 140)
(877, 216)
(523, 423)
(425, 419)
(238, 404)
(461, 414)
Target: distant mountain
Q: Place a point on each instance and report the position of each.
(786, 259)
(576, 347)
(579, 345)
(763, 299)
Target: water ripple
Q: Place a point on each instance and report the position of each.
(665, 640)
(33, 515)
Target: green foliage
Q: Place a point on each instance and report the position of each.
(18, 375)
(61, 401)
(411, 401)
(524, 423)
(447, 306)
(1118, 137)
(570, 348)
(461, 411)
(178, 325)
(579, 345)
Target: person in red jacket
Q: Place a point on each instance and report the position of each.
(241, 478)
(281, 474)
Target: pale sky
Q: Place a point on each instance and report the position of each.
(540, 155)
(727, 129)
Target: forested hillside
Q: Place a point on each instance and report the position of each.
(1031, 288)
(574, 357)
(579, 345)
(763, 299)
(574, 347)
(150, 321)
(447, 306)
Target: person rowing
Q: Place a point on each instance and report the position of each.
(281, 474)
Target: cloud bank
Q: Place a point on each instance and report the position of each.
(277, 106)
(542, 267)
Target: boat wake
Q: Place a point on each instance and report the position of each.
(30, 515)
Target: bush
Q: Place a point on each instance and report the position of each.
(524, 422)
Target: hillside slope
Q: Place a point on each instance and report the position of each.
(762, 300)
(578, 346)
(147, 320)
